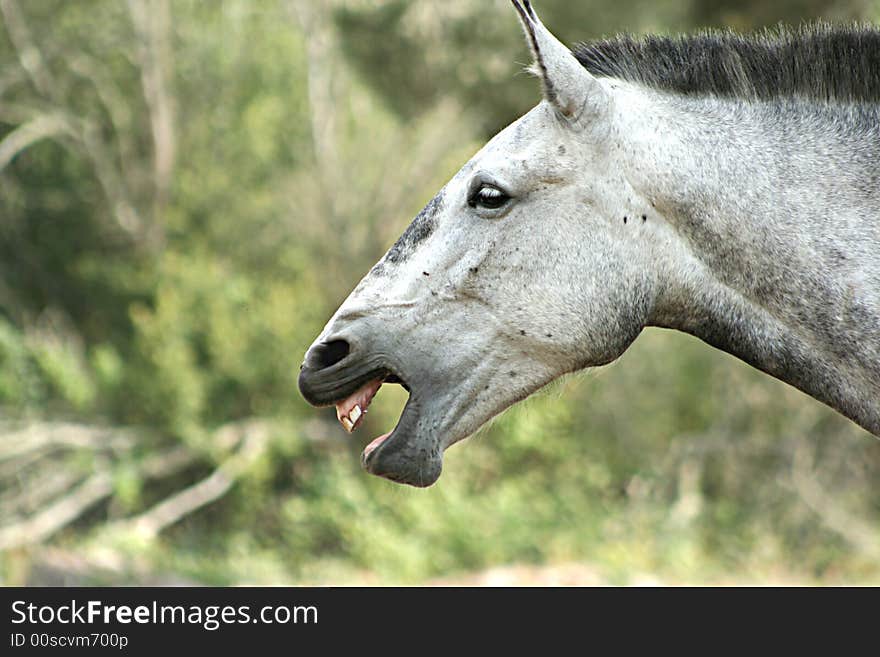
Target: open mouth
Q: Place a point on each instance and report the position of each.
(352, 410)
(411, 453)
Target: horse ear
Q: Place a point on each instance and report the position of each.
(568, 86)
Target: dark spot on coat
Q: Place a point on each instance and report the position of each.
(424, 273)
(512, 373)
(644, 218)
(561, 149)
(624, 220)
(419, 230)
(522, 332)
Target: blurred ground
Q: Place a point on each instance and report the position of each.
(65, 568)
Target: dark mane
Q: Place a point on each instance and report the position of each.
(820, 61)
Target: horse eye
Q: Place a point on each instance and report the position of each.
(489, 197)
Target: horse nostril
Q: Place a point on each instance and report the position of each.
(327, 354)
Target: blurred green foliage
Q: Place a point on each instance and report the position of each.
(176, 303)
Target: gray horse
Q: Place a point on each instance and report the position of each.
(724, 186)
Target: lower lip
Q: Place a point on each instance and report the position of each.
(369, 449)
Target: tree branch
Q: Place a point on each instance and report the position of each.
(857, 533)
(16, 442)
(29, 133)
(152, 23)
(58, 515)
(29, 55)
(116, 105)
(169, 511)
(250, 436)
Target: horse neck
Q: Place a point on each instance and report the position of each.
(770, 211)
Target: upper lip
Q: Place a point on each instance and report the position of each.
(327, 386)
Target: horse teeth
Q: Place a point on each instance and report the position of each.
(355, 415)
(348, 424)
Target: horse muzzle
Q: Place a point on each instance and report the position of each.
(340, 371)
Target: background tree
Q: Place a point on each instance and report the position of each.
(189, 189)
